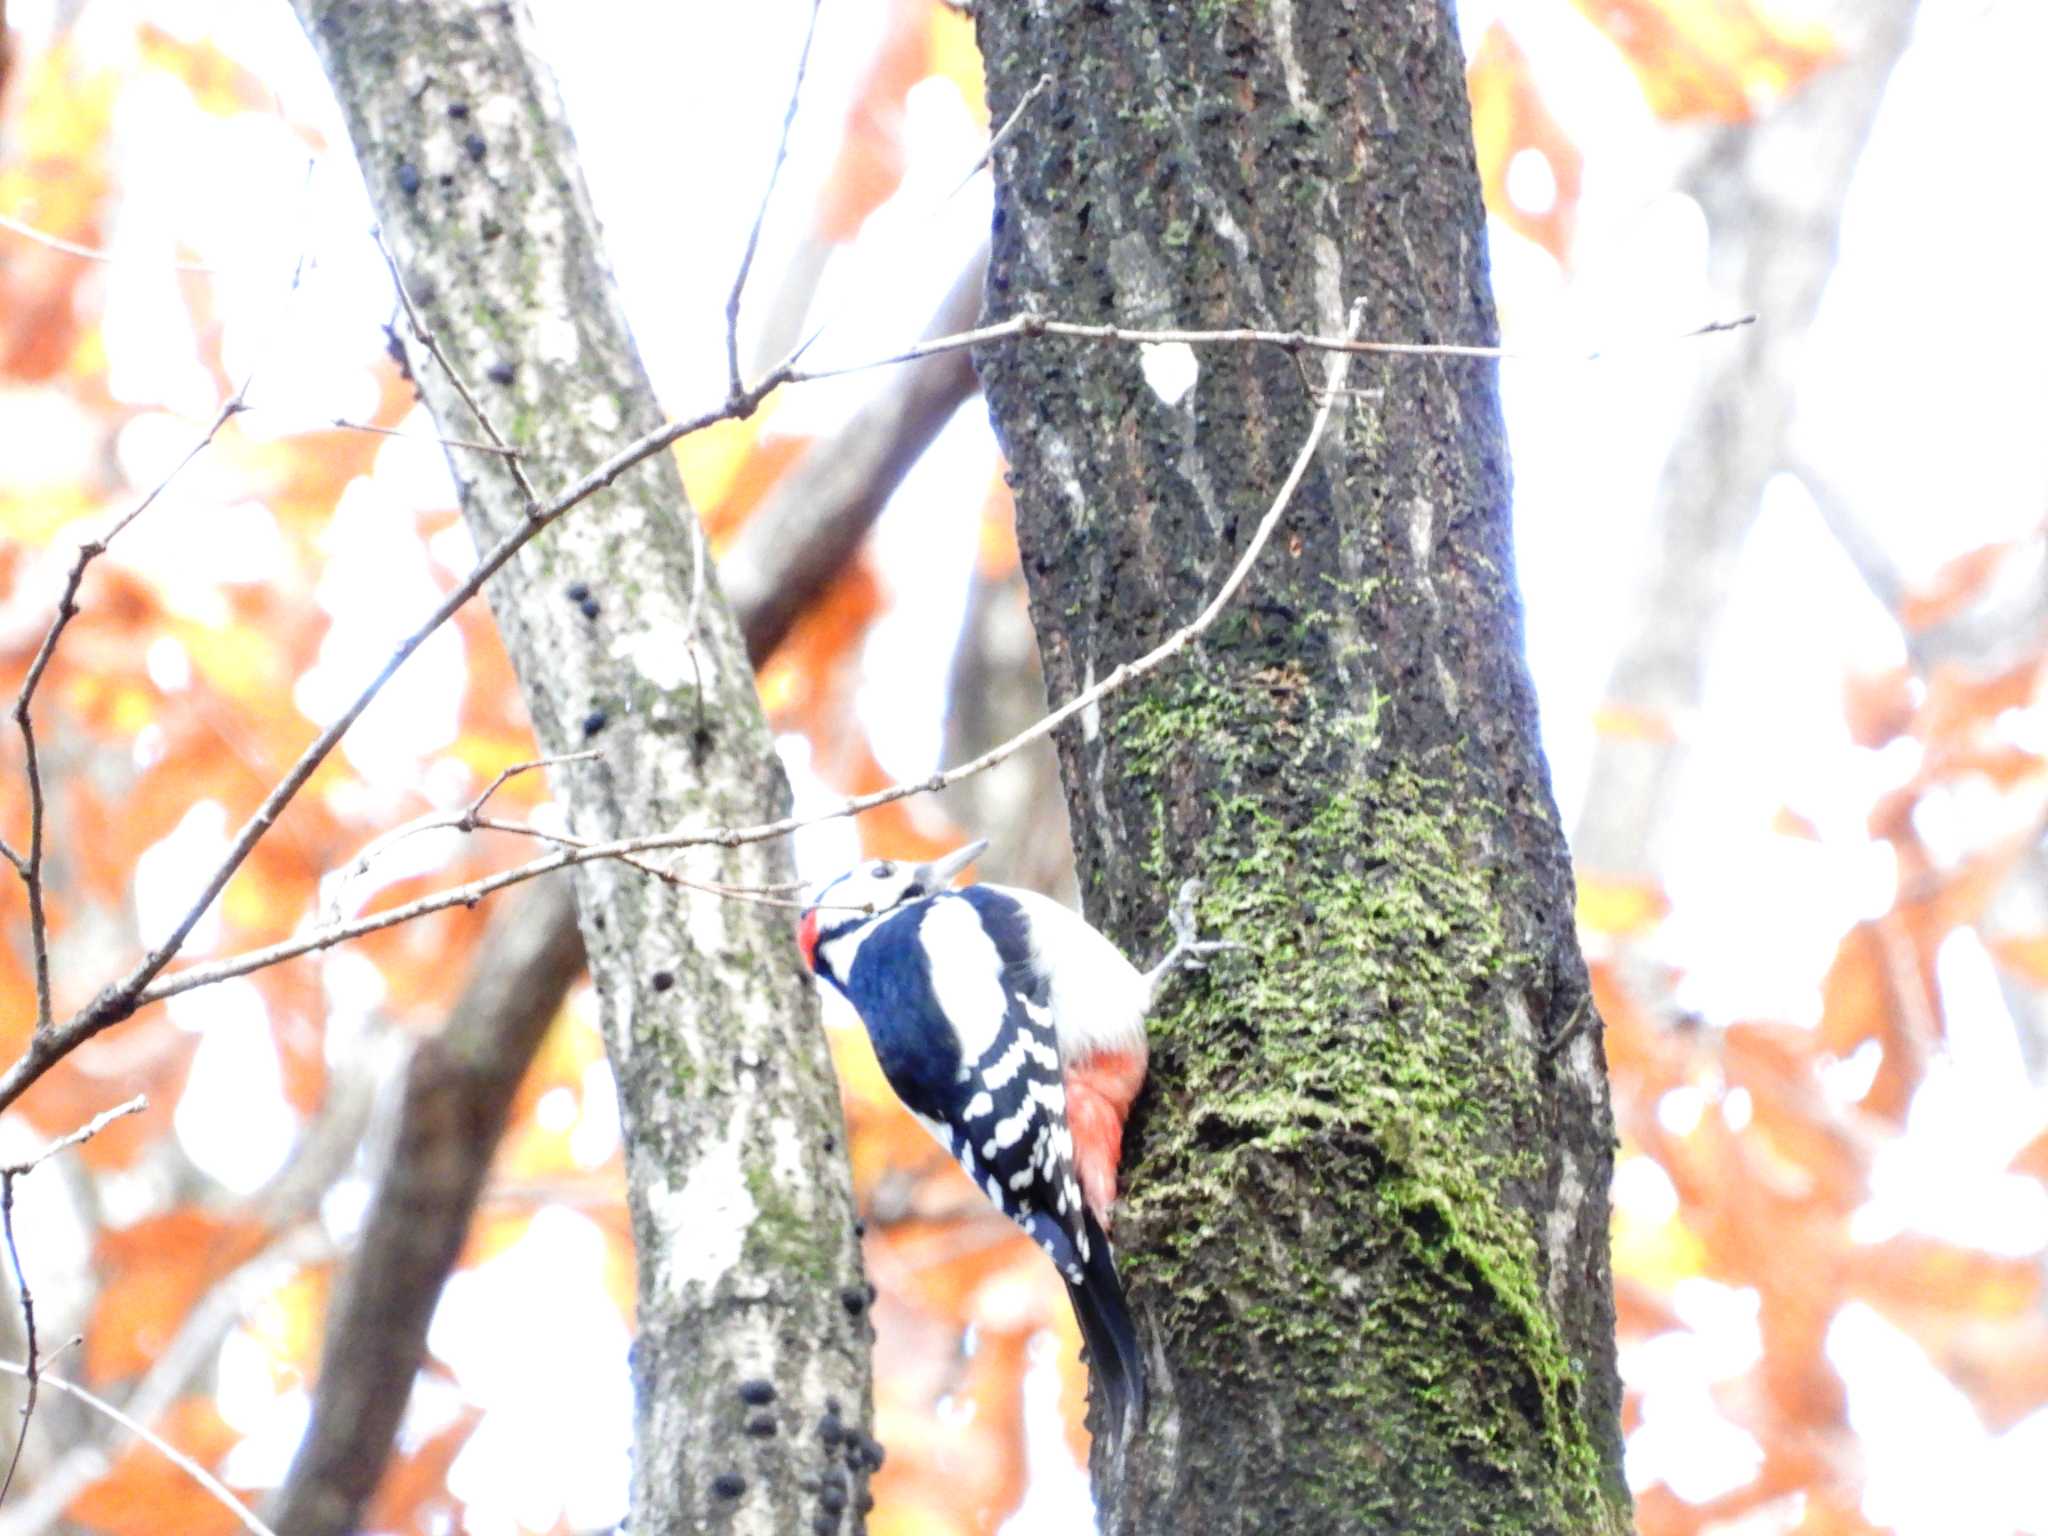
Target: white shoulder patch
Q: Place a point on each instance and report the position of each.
(1098, 997)
(967, 974)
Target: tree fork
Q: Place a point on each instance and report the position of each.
(1365, 1226)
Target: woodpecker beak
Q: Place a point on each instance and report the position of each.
(938, 875)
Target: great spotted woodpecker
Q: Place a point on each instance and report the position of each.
(1016, 1033)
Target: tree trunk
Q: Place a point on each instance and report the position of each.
(1365, 1226)
(740, 1199)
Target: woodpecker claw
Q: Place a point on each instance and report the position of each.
(1187, 950)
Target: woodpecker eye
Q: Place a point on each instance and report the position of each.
(884, 870)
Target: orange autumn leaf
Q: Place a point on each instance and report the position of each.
(1620, 905)
(996, 555)
(150, 1056)
(2032, 1159)
(955, 56)
(154, 1271)
(1789, 823)
(218, 84)
(291, 1323)
(413, 1495)
(1878, 706)
(1509, 120)
(1954, 587)
(1909, 1273)
(871, 157)
(1619, 722)
(1716, 59)
(54, 178)
(145, 1491)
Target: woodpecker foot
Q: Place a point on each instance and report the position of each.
(1188, 951)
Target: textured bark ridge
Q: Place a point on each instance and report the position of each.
(740, 1199)
(1366, 1216)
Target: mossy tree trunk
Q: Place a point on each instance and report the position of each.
(741, 1202)
(1365, 1225)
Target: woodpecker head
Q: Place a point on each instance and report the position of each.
(871, 890)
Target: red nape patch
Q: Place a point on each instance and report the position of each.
(807, 939)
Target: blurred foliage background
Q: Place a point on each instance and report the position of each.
(1786, 609)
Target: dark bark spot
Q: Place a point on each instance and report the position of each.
(458, 110)
(754, 1392)
(408, 178)
(588, 607)
(577, 591)
(761, 1426)
(661, 981)
(473, 146)
(593, 723)
(500, 373)
(728, 1485)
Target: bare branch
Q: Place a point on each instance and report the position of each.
(1001, 136)
(426, 437)
(32, 1370)
(1293, 341)
(87, 252)
(457, 1090)
(84, 1133)
(30, 865)
(578, 852)
(122, 998)
(811, 524)
(432, 344)
(205, 1479)
(464, 820)
(739, 282)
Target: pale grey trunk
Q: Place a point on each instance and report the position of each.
(749, 1269)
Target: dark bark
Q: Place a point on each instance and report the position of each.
(742, 1210)
(1366, 1220)
(450, 1114)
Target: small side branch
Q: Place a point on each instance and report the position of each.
(432, 343)
(739, 282)
(29, 865)
(628, 848)
(214, 1487)
(31, 1370)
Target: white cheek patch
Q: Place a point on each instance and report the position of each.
(967, 975)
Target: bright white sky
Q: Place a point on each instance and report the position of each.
(1924, 395)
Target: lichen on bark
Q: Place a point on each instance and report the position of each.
(1365, 1214)
(737, 1179)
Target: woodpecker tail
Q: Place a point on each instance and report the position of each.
(1112, 1338)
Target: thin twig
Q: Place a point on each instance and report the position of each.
(90, 253)
(432, 343)
(1039, 325)
(32, 1370)
(577, 852)
(464, 820)
(163, 1447)
(84, 1133)
(120, 999)
(422, 437)
(1001, 136)
(30, 865)
(739, 282)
